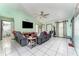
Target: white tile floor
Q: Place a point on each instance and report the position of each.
(53, 47)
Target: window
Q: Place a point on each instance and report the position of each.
(43, 27)
(61, 29)
(37, 28)
(49, 27)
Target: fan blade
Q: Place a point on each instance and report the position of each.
(42, 13)
(46, 14)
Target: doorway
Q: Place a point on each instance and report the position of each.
(6, 29)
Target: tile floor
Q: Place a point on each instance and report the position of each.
(53, 47)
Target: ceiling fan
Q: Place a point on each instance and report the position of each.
(43, 14)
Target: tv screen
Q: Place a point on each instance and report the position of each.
(27, 24)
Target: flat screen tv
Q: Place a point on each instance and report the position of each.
(26, 24)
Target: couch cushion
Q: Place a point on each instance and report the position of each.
(45, 33)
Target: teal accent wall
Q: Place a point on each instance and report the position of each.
(18, 15)
(69, 28)
(69, 24)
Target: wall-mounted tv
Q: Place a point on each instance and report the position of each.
(26, 24)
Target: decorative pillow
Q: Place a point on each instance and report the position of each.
(14, 33)
(45, 33)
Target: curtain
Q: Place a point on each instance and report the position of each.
(57, 29)
(0, 30)
(64, 29)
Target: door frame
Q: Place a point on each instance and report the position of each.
(9, 20)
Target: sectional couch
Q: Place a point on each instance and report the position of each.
(22, 40)
(44, 36)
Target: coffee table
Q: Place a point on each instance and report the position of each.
(32, 41)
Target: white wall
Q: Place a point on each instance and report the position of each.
(76, 34)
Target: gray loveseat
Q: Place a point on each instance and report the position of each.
(43, 37)
(20, 38)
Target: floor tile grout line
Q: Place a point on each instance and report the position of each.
(58, 41)
(67, 46)
(58, 49)
(75, 49)
(29, 51)
(39, 50)
(43, 52)
(53, 43)
(17, 51)
(33, 53)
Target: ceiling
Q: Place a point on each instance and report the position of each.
(57, 11)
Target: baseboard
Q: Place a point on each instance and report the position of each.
(60, 37)
(68, 37)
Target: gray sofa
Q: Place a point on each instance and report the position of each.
(43, 37)
(20, 38)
